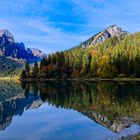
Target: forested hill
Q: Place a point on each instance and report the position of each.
(114, 57)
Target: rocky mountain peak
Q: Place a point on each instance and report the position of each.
(10, 48)
(6, 35)
(115, 30)
(109, 32)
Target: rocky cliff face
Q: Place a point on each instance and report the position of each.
(111, 31)
(36, 53)
(9, 48)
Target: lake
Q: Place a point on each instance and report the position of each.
(66, 110)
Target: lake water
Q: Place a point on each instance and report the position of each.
(66, 110)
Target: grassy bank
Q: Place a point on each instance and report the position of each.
(9, 78)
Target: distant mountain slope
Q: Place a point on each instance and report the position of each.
(98, 38)
(9, 48)
(10, 67)
(9, 64)
(14, 55)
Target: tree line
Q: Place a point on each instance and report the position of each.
(29, 72)
(115, 57)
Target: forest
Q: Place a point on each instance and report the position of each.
(115, 57)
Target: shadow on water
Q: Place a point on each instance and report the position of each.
(107, 103)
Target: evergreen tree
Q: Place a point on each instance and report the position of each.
(93, 67)
(27, 69)
(23, 75)
(43, 68)
(35, 72)
(137, 66)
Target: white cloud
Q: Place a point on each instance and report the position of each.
(35, 33)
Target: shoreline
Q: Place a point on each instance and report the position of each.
(96, 79)
(9, 78)
(81, 79)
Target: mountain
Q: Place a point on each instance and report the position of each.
(109, 32)
(13, 55)
(10, 48)
(108, 54)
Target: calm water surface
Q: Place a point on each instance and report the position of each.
(65, 110)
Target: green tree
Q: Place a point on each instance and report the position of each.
(27, 69)
(43, 68)
(23, 75)
(137, 66)
(35, 72)
(93, 67)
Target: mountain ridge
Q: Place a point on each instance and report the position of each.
(98, 38)
(14, 55)
(10, 48)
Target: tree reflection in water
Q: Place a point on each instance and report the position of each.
(104, 102)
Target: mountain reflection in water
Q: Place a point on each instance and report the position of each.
(114, 105)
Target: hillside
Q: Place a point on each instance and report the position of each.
(118, 55)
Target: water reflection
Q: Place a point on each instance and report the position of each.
(106, 102)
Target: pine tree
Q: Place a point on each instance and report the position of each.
(27, 69)
(23, 75)
(137, 66)
(93, 67)
(35, 72)
(43, 68)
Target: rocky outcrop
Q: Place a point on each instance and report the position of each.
(9, 48)
(111, 31)
(36, 52)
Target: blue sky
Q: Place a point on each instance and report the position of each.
(53, 25)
